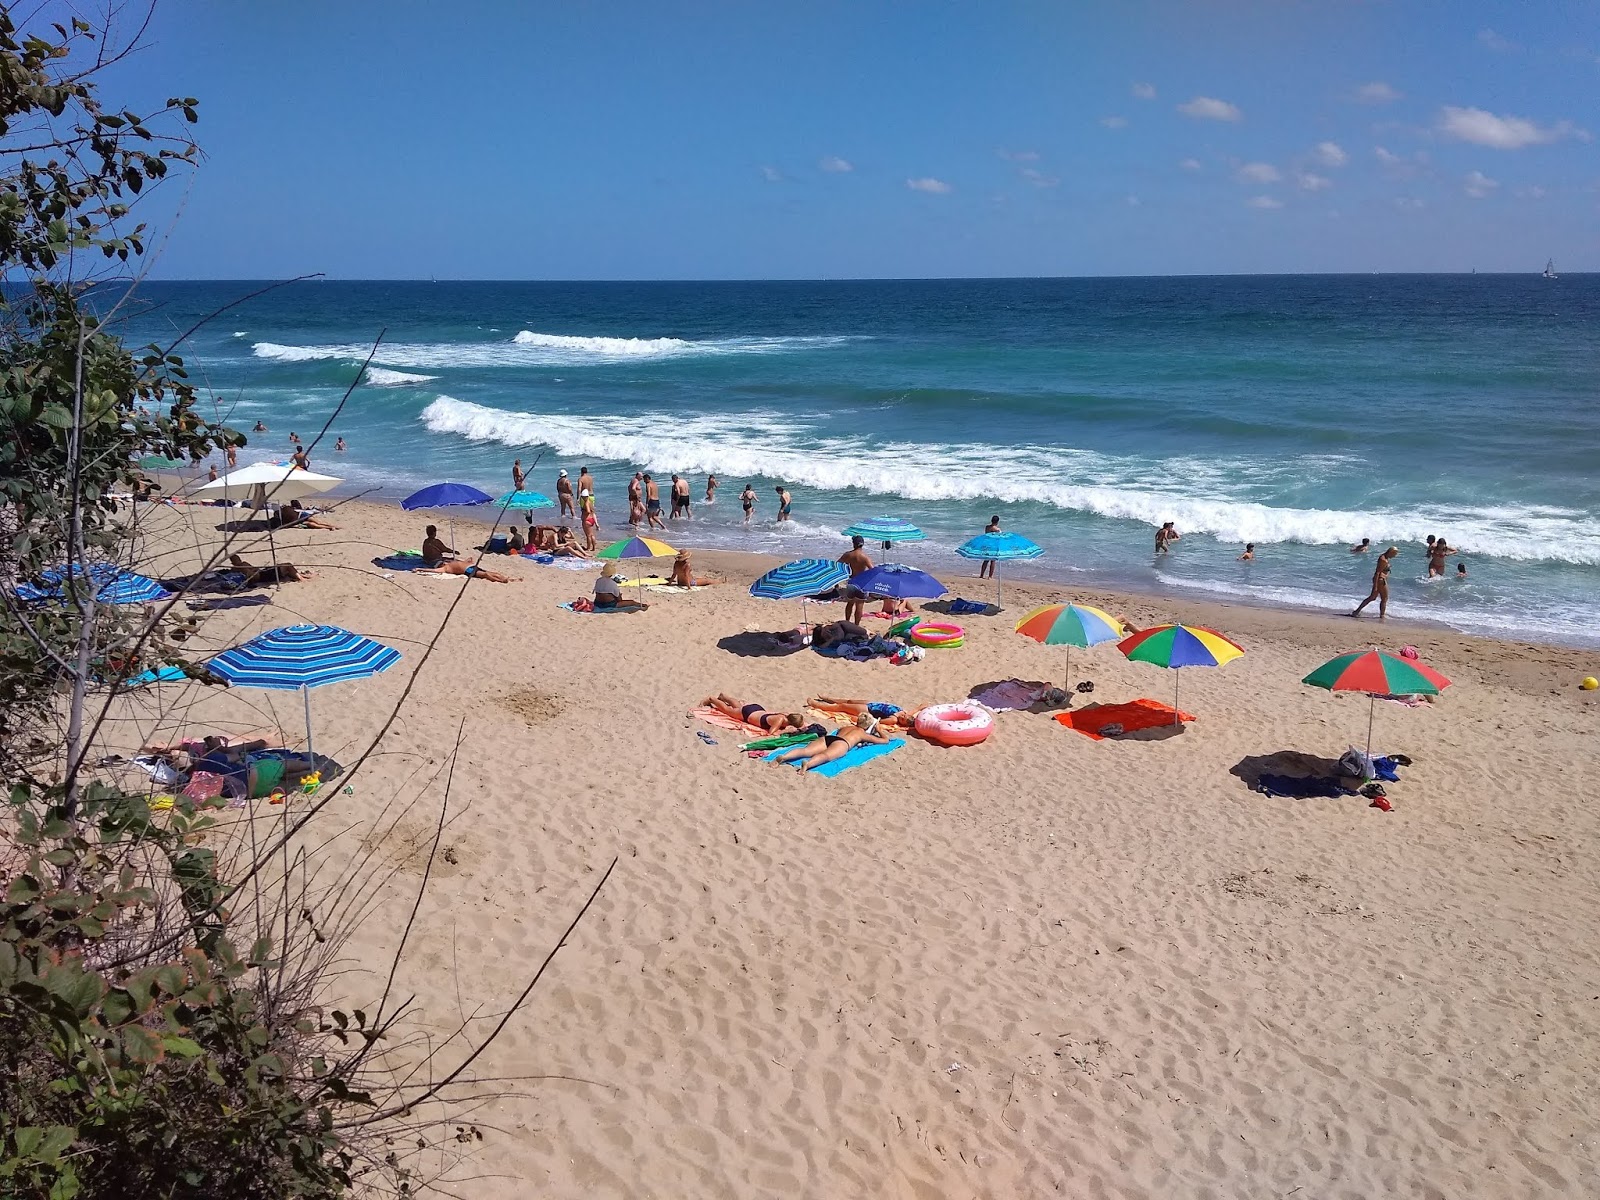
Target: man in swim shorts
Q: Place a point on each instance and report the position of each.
(1380, 583)
(564, 494)
(856, 559)
(652, 504)
(457, 567)
(784, 501)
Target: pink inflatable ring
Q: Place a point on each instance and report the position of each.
(955, 724)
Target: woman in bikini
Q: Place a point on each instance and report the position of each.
(457, 567)
(886, 714)
(754, 714)
(833, 746)
(1380, 583)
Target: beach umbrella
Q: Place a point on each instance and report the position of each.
(302, 657)
(636, 547)
(1178, 646)
(886, 530)
(1002, 547)
(1377, 674)
(268, 481)
(110, 584)
(447, 495)
(159, 462)
(525, 499)
(899, 582)
(1070, 625)
(802, 578)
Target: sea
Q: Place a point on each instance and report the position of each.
(1297, 413)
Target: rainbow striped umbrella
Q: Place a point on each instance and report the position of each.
(1177, 646)
(636, 547)
(1070, 625)
(1377, 674)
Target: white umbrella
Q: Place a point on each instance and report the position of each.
(268, 481)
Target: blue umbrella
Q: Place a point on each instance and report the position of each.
(1001, 547)
(525, 499)
(799, 579)
(111, 585)
(447, 495)
(887, 530)
(899, 582)
(301, 657)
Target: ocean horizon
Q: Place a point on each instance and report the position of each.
(1300, 413)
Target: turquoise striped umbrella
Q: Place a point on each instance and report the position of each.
(1002, 547)
(799, 579)
(302, 657)
(887, 530)
(525, 499)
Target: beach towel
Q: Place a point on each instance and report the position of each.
(959, 607)
(875, 647)
(563, 563)
(1298, 787)
(227, 602)
(853, 758)
(781, 741)
(1132, 717)
(1407, 701)
(399, 562)
(159, 675)
(723, 721)
(600, 612)
(1010, 694)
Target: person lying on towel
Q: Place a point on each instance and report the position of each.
(755, 714)
(832, 746)
(887, 714)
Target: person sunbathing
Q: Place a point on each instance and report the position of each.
(754, 714)
(457, 567)
(831, 747)
(292, 516)
(567, 546)
(886, 714)
(284, 572)
(200, 746)
(682, 576)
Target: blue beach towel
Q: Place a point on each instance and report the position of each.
(600, 612)
(1300, 787)
(159, 675)
(400, 562)
(854, 758)
(958, 606)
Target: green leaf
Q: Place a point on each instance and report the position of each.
(116, 1008)
(171, 979)
(183, 1047)
(142, 1046)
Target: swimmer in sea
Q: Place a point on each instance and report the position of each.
(1362, 547)
(1461, 570)
(1380, 583)
(1249, 554)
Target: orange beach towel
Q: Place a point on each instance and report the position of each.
(1132, 716)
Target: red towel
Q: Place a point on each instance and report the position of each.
(1132, 716)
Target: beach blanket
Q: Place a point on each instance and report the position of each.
(167, 674)
(1300, 787)
(1011, 694)
(600, 612)
(1407, 701)
(399, 562)
(875, 647)
(959, 607)
(723, 721)
(563, 563)
(1132, 717)
(225, 602)
(853, 758)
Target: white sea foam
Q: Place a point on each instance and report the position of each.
(1200, 496)
(241, 333)
(383, 377)
(530, 349)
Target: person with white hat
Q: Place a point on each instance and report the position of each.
(590, 521)
(564, 493)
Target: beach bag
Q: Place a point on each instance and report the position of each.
(1355, 765)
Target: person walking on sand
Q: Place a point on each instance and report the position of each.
(784, 501)
(652, 504)
(748, 499)
(518, 479)
(856, 559)
(711, 489)
(564, 493)
(986, 567)
(1380, 583)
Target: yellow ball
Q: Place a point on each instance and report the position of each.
(1590, 683)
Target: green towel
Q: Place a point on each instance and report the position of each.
(781, 742)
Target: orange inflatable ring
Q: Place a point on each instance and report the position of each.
(955, 724)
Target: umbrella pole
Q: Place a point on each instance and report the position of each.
(638, 578)
(1372, 704)
(1066, 685)
(1176, 719)
(997, 602)
(305, 694)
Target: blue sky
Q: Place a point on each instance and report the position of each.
(570, 140)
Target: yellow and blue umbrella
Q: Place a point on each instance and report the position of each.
(1178, 646)
(1070, 625)
(636, 547)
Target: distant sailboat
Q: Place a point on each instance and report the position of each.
(1550, 270)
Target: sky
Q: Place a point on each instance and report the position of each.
(579, 139)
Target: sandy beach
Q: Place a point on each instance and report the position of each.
(1043, 966)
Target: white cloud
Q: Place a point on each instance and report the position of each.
(1502, 133)
(1038, 178)
(1264, 202)
(927, 183)
(1531, 192)
(1331, 154)
(1145, 91)
(1114, 122)
(1478, 185)
(1190, 164)
(772, 174)
(1207, 108)
(1376, 92)
(835, 164)
(1018, 155)
(1309, 181)
(1387, 157)
(1494, 41)
(1259, 172)
(1411, 203)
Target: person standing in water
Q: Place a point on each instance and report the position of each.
(1249, 554)
(986, 567)
(1436, 557)
(652, 504)
(585, 481)
(784, 501)
(1380, 583)
(748, 499)
(518, 479)
(1362, 547)
(564, 493)
(1165, 536)
(711, 489)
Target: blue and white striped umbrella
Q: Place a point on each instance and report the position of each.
(887, 530)
(301, 657)
(799, 579)
(111, 585)
(525, 499)
(1000, 547)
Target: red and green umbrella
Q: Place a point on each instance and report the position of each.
(1178, 646)
(1377, 674)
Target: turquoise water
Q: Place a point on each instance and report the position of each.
(1300, 413)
